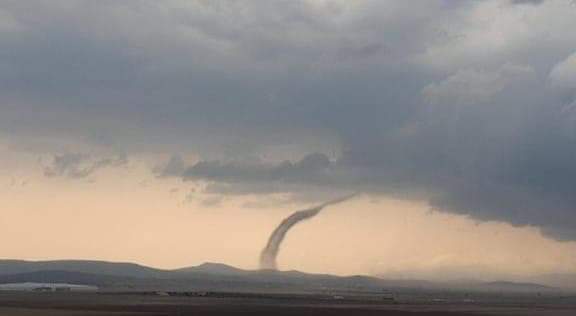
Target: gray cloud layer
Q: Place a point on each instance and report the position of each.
(468, 104)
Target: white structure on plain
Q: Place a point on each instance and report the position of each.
(47, 287)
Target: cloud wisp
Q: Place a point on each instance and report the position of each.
(80, 166)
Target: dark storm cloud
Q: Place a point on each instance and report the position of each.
(490, 144)
(467, 104)
(304, 178)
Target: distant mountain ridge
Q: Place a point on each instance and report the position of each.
(86, 266)
(212, 268)
(214, 276)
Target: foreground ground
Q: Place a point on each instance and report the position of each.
(95, 304)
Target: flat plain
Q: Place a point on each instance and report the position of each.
(115, 304)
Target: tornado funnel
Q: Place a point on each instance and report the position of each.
(270, 252)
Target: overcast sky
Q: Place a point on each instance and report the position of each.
(466, 109)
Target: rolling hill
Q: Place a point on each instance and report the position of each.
(216, 277)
